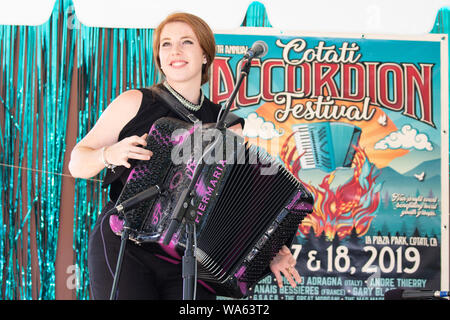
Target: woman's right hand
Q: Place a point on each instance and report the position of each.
(128, 148)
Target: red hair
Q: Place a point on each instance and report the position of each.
(204, 35)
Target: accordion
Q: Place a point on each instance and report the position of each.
(246, 206)
(326, 145)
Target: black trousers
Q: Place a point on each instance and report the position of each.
(144, 274)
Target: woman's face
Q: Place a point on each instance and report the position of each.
(180, 53)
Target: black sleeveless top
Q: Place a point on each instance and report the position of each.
(152, 108)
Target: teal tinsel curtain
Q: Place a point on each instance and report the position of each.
(256, 16)
(45, 72)
(442, 22)
(442, 25)
(36, 69)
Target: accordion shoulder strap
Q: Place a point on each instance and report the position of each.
(175, 105)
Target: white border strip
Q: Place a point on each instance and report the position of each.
(445, 195)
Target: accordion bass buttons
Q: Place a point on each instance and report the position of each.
(282, 215)
(261, 242)
(272, 228)
(251, 255)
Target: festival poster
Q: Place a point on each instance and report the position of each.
(363, 122)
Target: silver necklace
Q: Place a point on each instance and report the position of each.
(189, 105)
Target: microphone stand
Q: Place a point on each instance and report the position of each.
(245, 70)
(183, 208)
(123, 243)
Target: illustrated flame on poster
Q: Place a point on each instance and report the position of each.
(351, 206)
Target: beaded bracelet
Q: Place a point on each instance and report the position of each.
(106, 163)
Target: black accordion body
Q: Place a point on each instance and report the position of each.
(246, 205)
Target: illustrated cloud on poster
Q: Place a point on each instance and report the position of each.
(257, 127)
(406, 138)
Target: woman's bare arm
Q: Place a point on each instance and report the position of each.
(86, 157)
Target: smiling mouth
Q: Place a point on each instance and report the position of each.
(178, 64)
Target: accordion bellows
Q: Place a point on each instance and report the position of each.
(246, 205)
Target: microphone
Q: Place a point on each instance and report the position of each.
(259, 49)
(401, 294)
(135, 200)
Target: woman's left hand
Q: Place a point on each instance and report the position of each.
(284, 263)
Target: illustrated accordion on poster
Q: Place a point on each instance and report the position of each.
(326, 145)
